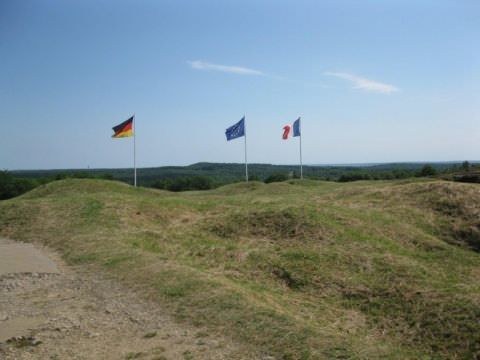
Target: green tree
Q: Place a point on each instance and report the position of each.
(184, 183)
(10, 186)
(427, 170)
(466, 166)
(276, 178)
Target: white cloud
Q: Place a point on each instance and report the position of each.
(202, 65)
(364, 84)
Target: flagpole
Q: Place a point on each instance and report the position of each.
(301, 162)
(134, 152)
(246, 163)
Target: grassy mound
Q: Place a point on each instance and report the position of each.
(458, 206)
(294, 270)
(282, 224)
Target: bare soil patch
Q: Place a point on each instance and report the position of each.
(52, 311)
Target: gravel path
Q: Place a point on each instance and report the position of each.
(52, 311)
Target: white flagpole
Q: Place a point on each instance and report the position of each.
(301, 163)
(246, 163)
(134, 152)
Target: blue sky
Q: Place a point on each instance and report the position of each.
(374, 81)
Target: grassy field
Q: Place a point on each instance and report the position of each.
(294, 270)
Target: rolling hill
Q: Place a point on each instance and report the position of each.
(223, 173)
(292, 270)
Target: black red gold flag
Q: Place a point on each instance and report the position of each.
(125, 129)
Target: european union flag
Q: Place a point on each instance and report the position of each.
(296, 128)
(236, 131)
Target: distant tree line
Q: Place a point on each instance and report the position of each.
(469, 173)
(12, 186)
(184, 183)
(383, 175)
(205, 176)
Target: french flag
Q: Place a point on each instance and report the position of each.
(287, 128)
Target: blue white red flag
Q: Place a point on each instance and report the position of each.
(296, 128)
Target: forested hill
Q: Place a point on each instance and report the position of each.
(223, 173)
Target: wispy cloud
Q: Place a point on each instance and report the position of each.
(365, 84)
(239, 70)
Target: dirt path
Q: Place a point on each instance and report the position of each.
(51, 311)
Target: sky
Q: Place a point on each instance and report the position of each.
(373, 81)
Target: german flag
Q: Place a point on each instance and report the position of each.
(125, 129)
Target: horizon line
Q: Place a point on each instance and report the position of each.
(254, 163)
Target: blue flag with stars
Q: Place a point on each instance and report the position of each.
(236, 131)
(296, 128)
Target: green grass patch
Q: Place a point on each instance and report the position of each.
(294, 270)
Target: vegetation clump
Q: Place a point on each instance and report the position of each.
(278, 177)
(185, 183)
(11, 186)
(427, 170)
